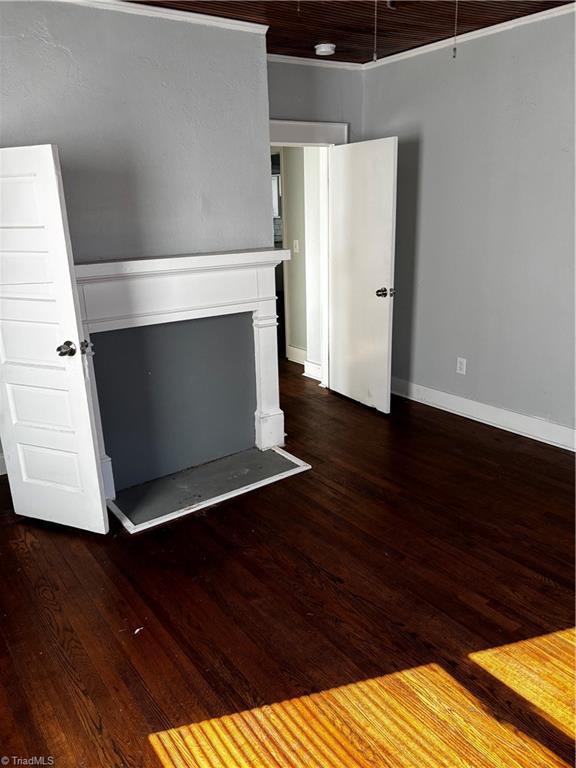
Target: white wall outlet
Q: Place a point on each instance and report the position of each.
(296, 246)
(461, 365)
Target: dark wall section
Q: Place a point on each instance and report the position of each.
(175, 395)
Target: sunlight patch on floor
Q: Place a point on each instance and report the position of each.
(417, 718)
(541, 670)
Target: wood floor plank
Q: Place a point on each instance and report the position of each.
(420, 716)
(406, 603)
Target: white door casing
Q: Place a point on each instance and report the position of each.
(47, 419)
(362, 234)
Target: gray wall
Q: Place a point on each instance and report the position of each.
(162, 126)
(300, 92)
(485, 244)
(153, 428)
(163, 134)
(485, 238)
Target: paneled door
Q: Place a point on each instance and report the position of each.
(47, 424)
(361, 280)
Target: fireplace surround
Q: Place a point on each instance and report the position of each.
(148, 291)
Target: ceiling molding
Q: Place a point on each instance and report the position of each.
(448, 42)
(562, 10)
(136, 9)
(277, 58)
(168, 14)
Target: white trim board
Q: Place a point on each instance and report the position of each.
(2, 465)
(169, 14)
(300, 466)
(519, 423)
(296, 355)
(278, 58)
(312, 370)
(307, 133)
(469, 36)
(448, 42)
(98, 271)
(148, 291)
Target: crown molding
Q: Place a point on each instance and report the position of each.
(126, 6)
(169, 14)
(562, 10)
(276, 58)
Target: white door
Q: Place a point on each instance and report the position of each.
(362, 231)
(46, 414)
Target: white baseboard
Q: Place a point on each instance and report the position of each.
(527, 426)
(312, 370)
(2, 465)
(269, 429)
(296, 355)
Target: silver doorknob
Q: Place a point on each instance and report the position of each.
(68, 348)
(382, 292)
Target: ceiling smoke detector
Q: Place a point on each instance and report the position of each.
(325, 49)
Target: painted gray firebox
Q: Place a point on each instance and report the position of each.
(175, 395)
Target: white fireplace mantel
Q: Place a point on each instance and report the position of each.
(135, 292)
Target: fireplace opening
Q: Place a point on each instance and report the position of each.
(177, 402)
(175, 395)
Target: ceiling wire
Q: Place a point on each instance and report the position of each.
(454, 49)
(375, 52)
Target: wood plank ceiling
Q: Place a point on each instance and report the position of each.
(295, 27)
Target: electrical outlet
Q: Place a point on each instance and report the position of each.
(296, 246)
(461, 365)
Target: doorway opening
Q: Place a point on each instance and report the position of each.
(335, 206)
(300, 215)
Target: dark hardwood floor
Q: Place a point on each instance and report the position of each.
(418, 540)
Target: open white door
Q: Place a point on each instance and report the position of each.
(362, 232)
(46, 413)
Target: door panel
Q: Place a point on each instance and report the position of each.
(362, 232)
(47, 423)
